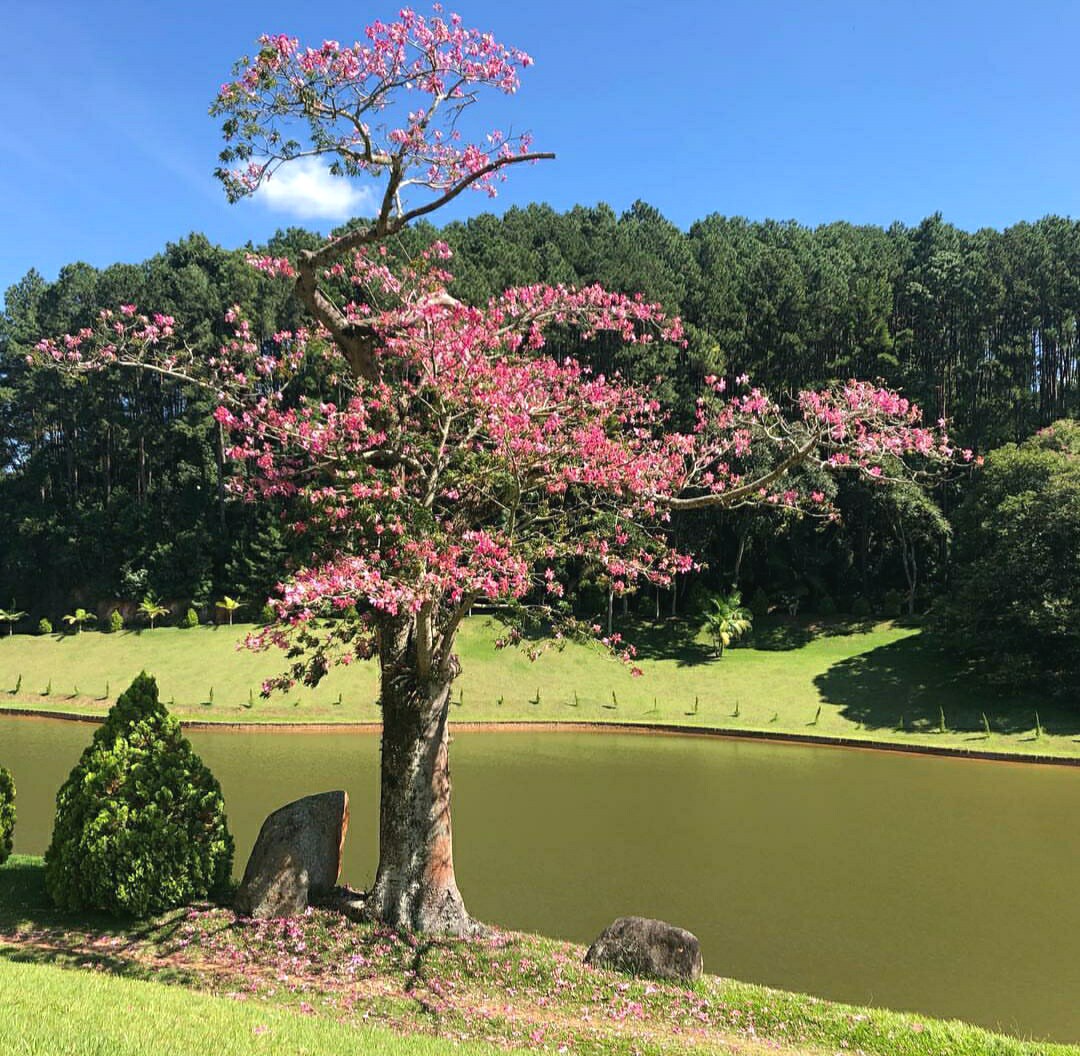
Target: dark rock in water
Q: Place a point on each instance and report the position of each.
(297, 856)
(639, 946)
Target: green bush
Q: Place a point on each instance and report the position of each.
(697, 599)
(44, 626)
(825, 605)
(190, 619)
(267, 616)
(759, 604)
(1012, 610)
(7, 813)
(140, 822)
(860, 607)
(892, 602)
(116, 622)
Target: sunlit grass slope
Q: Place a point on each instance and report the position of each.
(872, 681)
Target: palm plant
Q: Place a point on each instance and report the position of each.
(152, 609)
(230, 605)
(10, 617)
(78, 619)
(728, 620)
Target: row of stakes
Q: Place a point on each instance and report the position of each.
(536, 700)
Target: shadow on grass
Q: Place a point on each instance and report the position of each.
(681, 638)
(670, 639)
(914, 681)
(27, 911)
(782, 633)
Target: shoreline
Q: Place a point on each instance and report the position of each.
(579, 726)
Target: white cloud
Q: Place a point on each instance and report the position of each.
(306, 189)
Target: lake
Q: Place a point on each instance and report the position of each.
(942, 886)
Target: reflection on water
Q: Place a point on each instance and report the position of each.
(937, 885)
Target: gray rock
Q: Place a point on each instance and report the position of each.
(296, 856)
(639, 946)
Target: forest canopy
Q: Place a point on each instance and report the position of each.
(112, 486)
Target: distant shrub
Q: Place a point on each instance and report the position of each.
(760, 604)
(860, 607)
(116, 622)
(44, 626)
(7, 813)
(140, 822)
(267, 615)
(892, 602)
(825, 605)
(189, 619)
(697, 599)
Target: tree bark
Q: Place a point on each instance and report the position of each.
(739, 555)
(415, 888)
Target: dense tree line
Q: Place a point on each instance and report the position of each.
(113, 486)
(1015, 604)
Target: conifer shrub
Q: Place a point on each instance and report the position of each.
(190, 619)
(267, 615)
(892, 603)
(116, 622)
(825, 605)
(760, 604)
(140, 822)
(44, 626)
(7, 813)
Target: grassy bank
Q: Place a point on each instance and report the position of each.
(313, 979)
(878, 682)
(47, 1011)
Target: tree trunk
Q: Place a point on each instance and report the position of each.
(415, 888)
(911, 568)
(739, 555)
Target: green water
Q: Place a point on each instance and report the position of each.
(941, 886)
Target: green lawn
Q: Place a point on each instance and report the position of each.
(50, 1011)
(876, 682)
(78, 985)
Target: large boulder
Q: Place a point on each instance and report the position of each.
(639, 946)
(296, 857)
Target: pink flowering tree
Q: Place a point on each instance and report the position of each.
(462, 463)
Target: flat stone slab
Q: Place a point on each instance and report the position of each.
(640, 946)
(297, 856)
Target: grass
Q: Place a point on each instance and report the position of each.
(313, 979)
(872, 681)
(49, 1011)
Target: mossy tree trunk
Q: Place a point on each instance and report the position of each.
(415, 887)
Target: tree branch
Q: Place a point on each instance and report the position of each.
(728, 498)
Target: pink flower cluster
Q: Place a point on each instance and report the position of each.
(392, 98)
(475, 466)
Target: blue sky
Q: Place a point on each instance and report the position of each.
(869, 112)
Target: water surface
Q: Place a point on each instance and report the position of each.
(942, 886)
